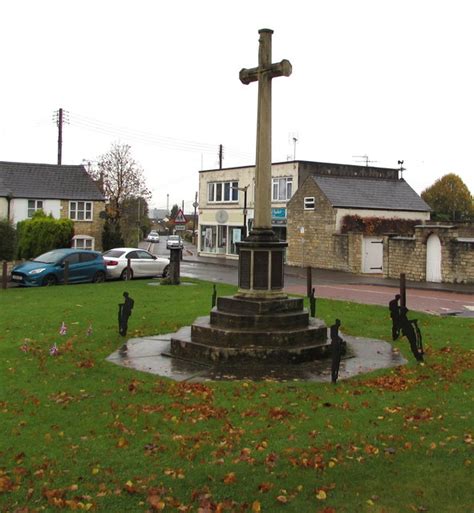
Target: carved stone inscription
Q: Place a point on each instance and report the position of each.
(277, 270)
(244, 269)
(260, 270)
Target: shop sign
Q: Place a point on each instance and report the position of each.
(278, 213)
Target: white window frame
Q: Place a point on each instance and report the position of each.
(279, 182)
(223, 192)
(74, 210)
(309, 203)
(88, 242)
(38, 205)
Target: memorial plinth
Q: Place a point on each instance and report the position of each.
(259, 323)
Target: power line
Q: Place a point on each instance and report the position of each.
(106, 128)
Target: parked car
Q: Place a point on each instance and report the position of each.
(48, 269)
(142, 263)
(153, 236)
(174, 241)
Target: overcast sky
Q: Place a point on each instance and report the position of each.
(392, 80)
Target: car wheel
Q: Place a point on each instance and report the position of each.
(123, 276)
(49, 280)
(99, 277)
(166, 271)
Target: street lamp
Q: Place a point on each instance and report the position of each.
(244, 190)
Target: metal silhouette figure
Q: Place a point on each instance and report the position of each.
(312, 303)
(411, 331)
(394, 308)
(125, 311)
(338, 348)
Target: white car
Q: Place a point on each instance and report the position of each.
(142, 263)
(153, 236)
(174, 241)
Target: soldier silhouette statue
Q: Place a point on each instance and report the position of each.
(394, 308)
(125, 311)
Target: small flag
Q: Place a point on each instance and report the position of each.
(54, 351)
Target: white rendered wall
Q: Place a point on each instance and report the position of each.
(19, 208)
(3, 208)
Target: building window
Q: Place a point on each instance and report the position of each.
(222, 192)
(33, 206)
(282, 189)
(309, 203)
(80, 210)
(83, 242)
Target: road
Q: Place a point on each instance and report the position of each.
(330, 285)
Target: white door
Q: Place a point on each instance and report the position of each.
(433, 259)
(372, 255)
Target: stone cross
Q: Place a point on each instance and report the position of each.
(263, 173)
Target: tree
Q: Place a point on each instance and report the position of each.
(174, 211)
(450, 199)
(7, 240)
(134, 220)
(42, 233)
(122, 181)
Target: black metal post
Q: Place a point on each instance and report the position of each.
(403, 291)
(4, 275)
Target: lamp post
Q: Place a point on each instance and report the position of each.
(244, 190)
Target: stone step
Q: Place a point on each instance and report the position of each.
(203, 332)
(234, 305)
(184, 347)
(221, 319)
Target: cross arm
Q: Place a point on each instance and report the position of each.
(280, 69)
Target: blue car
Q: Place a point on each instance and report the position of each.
(48, 269)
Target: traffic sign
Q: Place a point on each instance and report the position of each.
(180, 219)
(180, 227)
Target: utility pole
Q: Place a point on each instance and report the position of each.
(195, 205)
(168, 204)
(221, 154)
(60, 135)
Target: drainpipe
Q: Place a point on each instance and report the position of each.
(9, 199)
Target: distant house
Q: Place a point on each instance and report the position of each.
(329, 197)
(62, 191)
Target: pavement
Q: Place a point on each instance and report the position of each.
(152, 355)
(326, 276)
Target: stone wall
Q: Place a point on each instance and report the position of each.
(408, 255)
(319, 246)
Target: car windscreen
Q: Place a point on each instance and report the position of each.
(51, 257)
(114, 253)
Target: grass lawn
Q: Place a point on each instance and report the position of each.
(80, 433)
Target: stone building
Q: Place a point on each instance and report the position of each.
(333, 193)
(62, 191)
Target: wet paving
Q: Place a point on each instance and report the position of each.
(151, 354)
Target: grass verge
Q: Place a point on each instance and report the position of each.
(80, 433)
